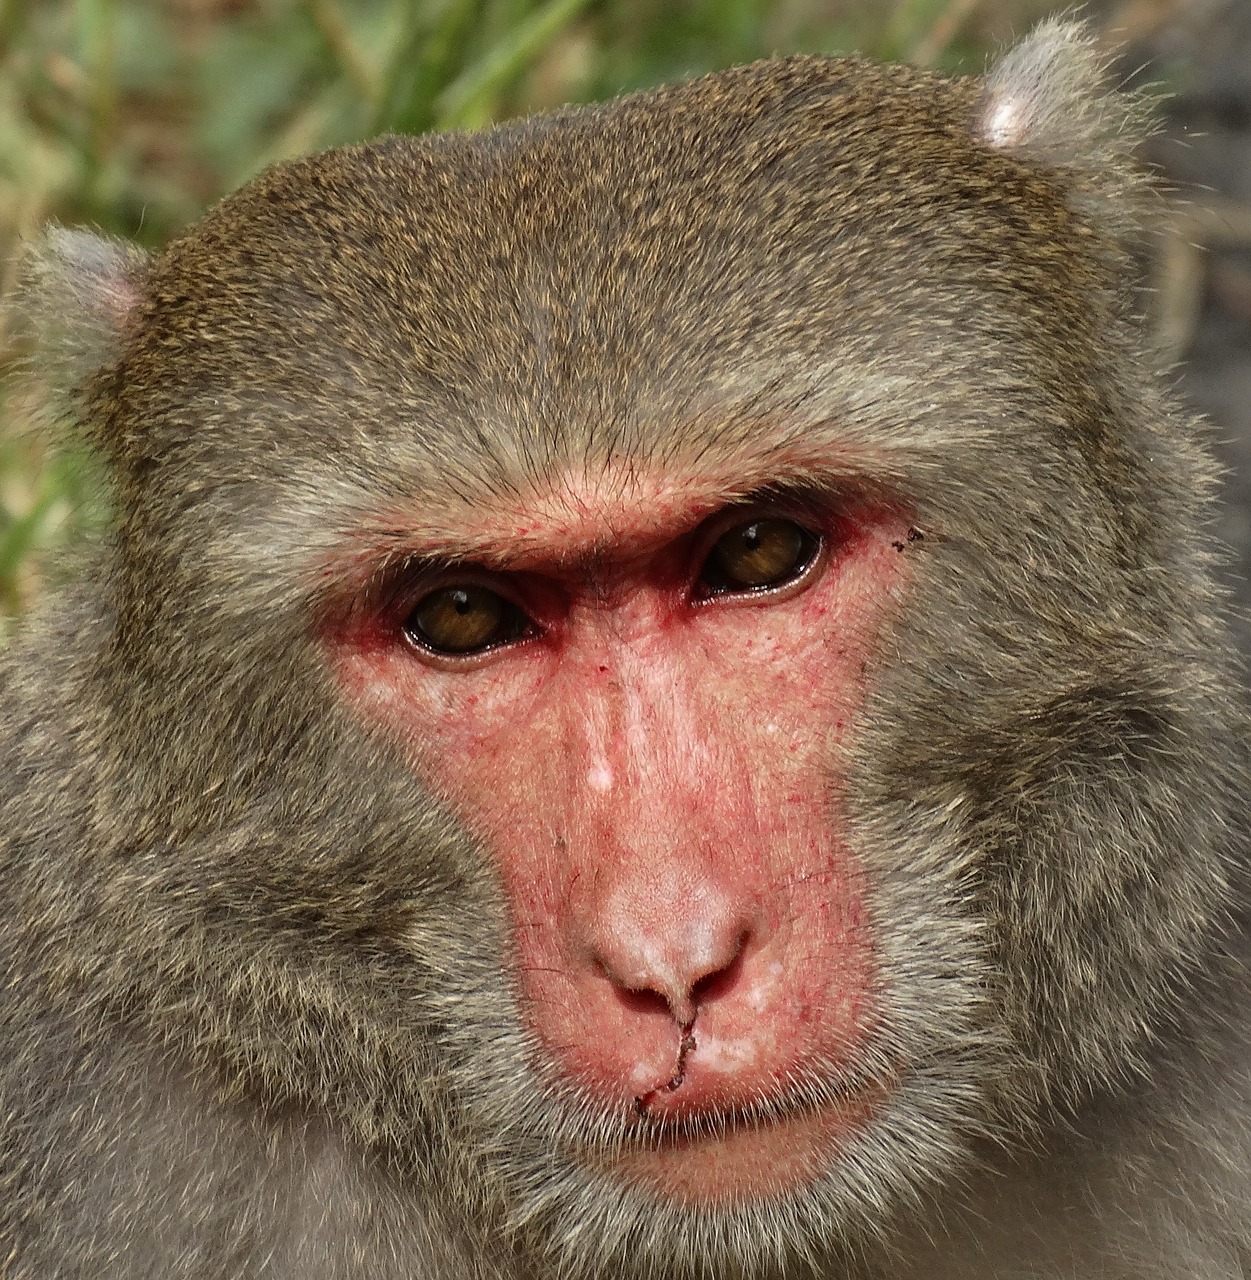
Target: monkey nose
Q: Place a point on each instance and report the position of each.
(675, 955)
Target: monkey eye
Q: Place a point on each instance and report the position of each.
(758, 555)
(464, 619)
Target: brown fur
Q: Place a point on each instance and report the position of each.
(258, 1020)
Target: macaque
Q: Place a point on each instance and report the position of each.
(654, 705)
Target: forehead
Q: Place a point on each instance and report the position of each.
(669, 273)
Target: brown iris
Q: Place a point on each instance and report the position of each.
(757, 556)
(464, 619)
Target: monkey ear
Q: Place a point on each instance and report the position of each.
(77, 295)
(1048, 100)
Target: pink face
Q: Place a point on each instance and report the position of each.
(640, 713)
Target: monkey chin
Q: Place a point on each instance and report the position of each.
(746, 1160)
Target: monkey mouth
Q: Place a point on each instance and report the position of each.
(660, 1120)
(849, 1096)
(725, 1155)
(709, 1124)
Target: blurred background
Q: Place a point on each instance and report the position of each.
(132, 116)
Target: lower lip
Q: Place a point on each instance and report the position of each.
(751, 1162)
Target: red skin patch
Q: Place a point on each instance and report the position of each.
(657, 776)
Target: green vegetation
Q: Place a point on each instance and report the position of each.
(133, 115)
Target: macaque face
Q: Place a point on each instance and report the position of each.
(637, 695)
(522, 796)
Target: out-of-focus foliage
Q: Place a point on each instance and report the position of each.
(133, 115)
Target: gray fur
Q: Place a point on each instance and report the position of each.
(258, 1021)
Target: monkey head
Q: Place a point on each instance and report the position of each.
(658, 661)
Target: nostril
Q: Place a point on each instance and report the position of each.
(713, 986)
(642, 1001)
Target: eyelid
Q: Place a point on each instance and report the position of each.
(410, 586)
(806, 512)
